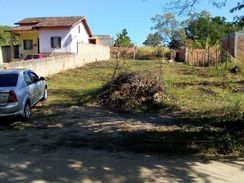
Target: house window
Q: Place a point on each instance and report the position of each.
(28, 44)
(79, 29)
(55, 42)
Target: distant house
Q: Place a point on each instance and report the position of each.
(106, 40)
(48, 35)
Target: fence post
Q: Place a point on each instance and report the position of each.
(134, 54)
(208, 56)
(226, 60)
(186, 55)
(216, 58)
(203, 57)
(11, 46)
(198, 61)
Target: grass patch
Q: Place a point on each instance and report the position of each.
(191, 89)
(207, 109)
(206, 139)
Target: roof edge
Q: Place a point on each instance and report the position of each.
(88, 30)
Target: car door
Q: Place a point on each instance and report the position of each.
(38, 85)
(31, 87)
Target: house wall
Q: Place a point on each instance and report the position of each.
(45, 40)
(69, 39)
(5, 53)
(234, 44)
(78, 37)
(239, 47)
(51, 65)
(106, 41)
(228, 44)
(28, 35)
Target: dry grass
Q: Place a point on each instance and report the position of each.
(207, 111)
(194, 90)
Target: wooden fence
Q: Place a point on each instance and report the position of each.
(201, 57)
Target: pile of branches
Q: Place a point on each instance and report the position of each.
(132, 92)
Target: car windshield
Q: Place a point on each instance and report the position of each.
(8, 80)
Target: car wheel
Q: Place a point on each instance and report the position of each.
(45, 95)
(27, 112)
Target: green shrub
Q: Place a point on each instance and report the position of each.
(150, 53)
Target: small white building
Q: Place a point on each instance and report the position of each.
(51, 35)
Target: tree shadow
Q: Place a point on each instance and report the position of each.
(224, 84)
(54, 147)
(77, 125)
(99, 166)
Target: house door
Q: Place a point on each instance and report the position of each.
(38, 45)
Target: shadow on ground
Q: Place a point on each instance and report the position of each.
(98, 128)
(52, 147)
(87, 166)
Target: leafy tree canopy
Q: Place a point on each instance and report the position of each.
(154, 39)
(201, 29)
(189, 6)
(238, 20)
(4, 36)
(178, 39)
(206, 31)
(123, 40)
(166, 25)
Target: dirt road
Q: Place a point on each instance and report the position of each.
(28, 153)
(86, 166)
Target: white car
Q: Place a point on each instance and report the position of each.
(20, 90)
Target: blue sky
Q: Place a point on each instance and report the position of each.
(103, 16)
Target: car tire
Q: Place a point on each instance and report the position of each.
(27, 112)
(45, 95)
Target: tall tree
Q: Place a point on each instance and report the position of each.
(238, 20)
(189, 6)
(5, 36)
(166, 25)
(154, 39)
(123, 40)
(206, 31)
(178, 39)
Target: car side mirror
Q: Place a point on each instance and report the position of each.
(42, 78)
(36, 80)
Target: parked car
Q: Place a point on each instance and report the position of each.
(20, 90)
(30, 57)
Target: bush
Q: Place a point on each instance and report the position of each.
(150, 53)
(133, 92)
(141, 53)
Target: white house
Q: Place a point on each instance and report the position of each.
(49, 35)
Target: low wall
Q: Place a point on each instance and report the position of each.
(234, 44)
(228, 44)
(239, 54)
(87, 53)
(5, 53)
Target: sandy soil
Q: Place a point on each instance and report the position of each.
(27, 155)
(86, 166)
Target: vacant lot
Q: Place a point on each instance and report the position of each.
(201, 112)
(204, 92)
